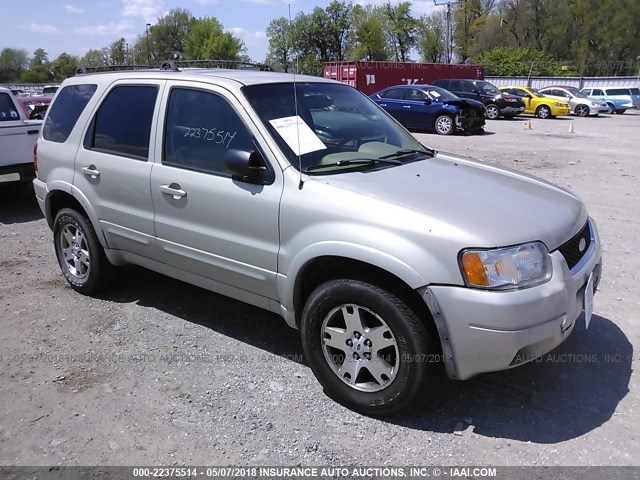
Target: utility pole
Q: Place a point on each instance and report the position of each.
(449, 28)
(148, 51)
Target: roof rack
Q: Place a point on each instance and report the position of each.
(175, 65)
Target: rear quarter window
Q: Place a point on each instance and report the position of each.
(8, 110)
(65, 111)
(618, 91)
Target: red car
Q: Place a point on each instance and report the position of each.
(34, 107)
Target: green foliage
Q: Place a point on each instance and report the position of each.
(368, 38)
(509, 61)
(64, 66)
(402, 29)
(168, 36)
(431, 37)
(207, 40)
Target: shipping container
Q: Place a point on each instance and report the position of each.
(369, 77)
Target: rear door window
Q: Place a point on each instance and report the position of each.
(123, 123)
(393, 93)
(596, 91)
(455, 86)
(65, 111)
(8, 110)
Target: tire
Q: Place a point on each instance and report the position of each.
(620, 111)
(612, 108)
(80, 255)
(544, 112)
(582, 110)
(344, 317)
(493, 112)
(444, 125)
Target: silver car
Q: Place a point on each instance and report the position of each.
(581, 104)
(301, 196)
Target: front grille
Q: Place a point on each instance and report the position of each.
(571, 249)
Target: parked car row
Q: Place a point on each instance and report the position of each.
(462, 105)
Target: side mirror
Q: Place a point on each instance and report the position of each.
(248, 167)
(427, 101)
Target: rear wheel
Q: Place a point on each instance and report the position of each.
(582, 110)
(80, 255)
(444, 125)
(493, 112)
(543, 111)
(365, 345)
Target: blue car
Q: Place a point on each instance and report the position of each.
(618, 99)
(431, 107)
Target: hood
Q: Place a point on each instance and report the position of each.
(487, 205)
(466, 103)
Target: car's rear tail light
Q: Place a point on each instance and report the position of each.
(35, 157)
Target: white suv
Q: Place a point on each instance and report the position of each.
(301, 196)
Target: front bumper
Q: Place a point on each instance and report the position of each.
(560, 111)
(485, 331)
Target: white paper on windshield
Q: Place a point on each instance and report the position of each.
(297, 134)
(434, 93)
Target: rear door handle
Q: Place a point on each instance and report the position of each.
(32, 132)
(91, 171)
(382, 104)
(406, 106)
(174, 190)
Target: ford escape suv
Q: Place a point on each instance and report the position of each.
(306, 199)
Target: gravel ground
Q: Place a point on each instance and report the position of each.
(159, 372)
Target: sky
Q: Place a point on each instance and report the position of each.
(76, 26)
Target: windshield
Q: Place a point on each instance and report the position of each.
(338, 127)
(488, 88)
(575, 92)
(536, 93)
(438, 93)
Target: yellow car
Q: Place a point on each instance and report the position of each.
(538, 104)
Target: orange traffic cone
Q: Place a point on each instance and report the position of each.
(527, 125)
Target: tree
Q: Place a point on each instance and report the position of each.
(432, 37)
(339, 15)
(402, 29)
(64, 66)
(207, 40)
(279, 35)
(167, 38)
(39, 68)
(13, 62)
(368, 41)
(93, 58)
(117, 52)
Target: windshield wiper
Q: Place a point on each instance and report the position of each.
(354, 162)
(409, 151)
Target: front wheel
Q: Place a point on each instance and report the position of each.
(611, 108)
(582, 110)
(543, 111)
(493, 112)
(365, 345)
(444, 125)
(80, 255)
(620, 111)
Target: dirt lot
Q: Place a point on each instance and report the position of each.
(159, 372)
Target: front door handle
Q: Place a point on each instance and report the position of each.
(174, 190)
(382, 104)
(91, 171)
(406, 106)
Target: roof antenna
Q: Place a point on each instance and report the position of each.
(295, 101)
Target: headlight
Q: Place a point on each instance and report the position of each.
(558, 104)
(507, 268)
(594, 104)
